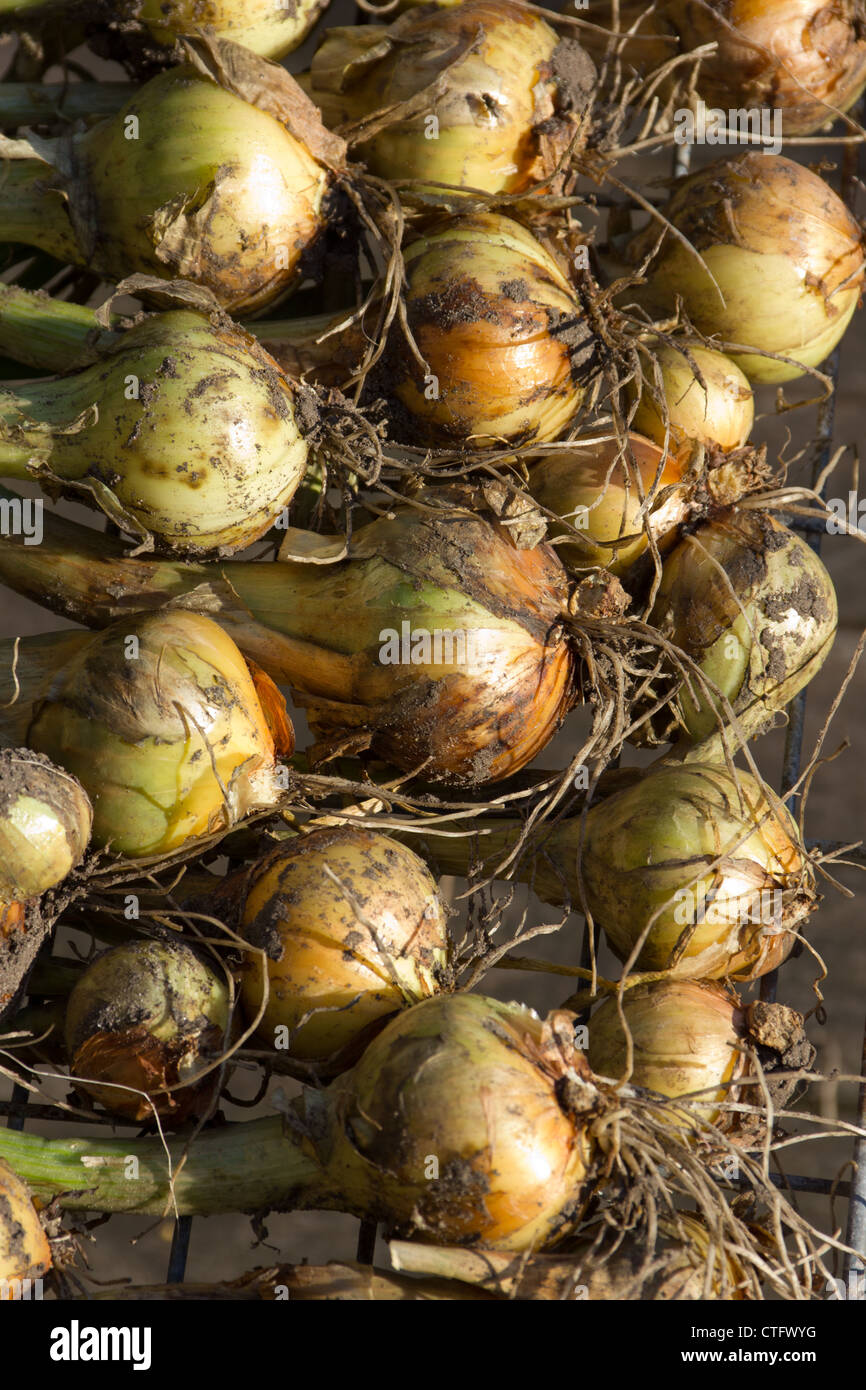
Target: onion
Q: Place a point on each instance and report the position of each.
(203, 453)
(648, 860)
(480, 95)
(357, 637)
(463, 1080)
(213, 190)
(693, 394)
(752, 604)
(24, 1249)
(45, 823)
(466, 1120)
(806, 58)
(148, 1016)
(686, 1038)
(507, 347)
(783, 250)
(354, 930)
(593, 486)
(159, 719)
(644, 857)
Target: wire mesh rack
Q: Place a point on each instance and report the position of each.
(20, 1107)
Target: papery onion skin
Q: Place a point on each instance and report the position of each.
(506, 343)
(751, 602)
(459, 1080)
(140, 732)
(354, 930)
(146, 1015)
(500, 85)
(648, 854)
(203, 455)
(785, 253)
(593, 487)
(717, 413)
(24, 1249)
(806, 58)
(45, 823)
(213, 190)
(458, 717)
(685, 1036)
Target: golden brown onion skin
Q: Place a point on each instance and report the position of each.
(593, 486)
(684, 1034)
(469, 1085)
(507, 346)
(354, 930)
(462, 722)
(501, 98)
(784, 252)
(805, 57)
(24, 1249)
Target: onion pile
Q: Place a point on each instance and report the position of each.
(604, 494)
(211, 189)
(751, 603)
(353, 930)
(507, 349)
(160, 720)
(479, 95)
(437, 642)
(780, 264)
(185, 431)
(147, 1017)
(806, 58)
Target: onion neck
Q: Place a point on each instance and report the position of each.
(49, 334)
(34, 213)
(31, 103)
(36, 421)
(251, 1166)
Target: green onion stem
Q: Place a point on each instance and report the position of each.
(250, 1166)
(33, 212)
(34, 103)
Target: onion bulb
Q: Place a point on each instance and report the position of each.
(480, 95)
(690, 852)
(805, 58)
(354, 930)
(751, 603)
(146, 1016)
(593, 486)
(206, 188)
(692, 394)
(506, 345)
(466, 1121)
(202, 452)
(455, 1127)
(24, 1249)
(45, 823)
(436, 642)
(782, 261)
(159, 719)
(686, 1037)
